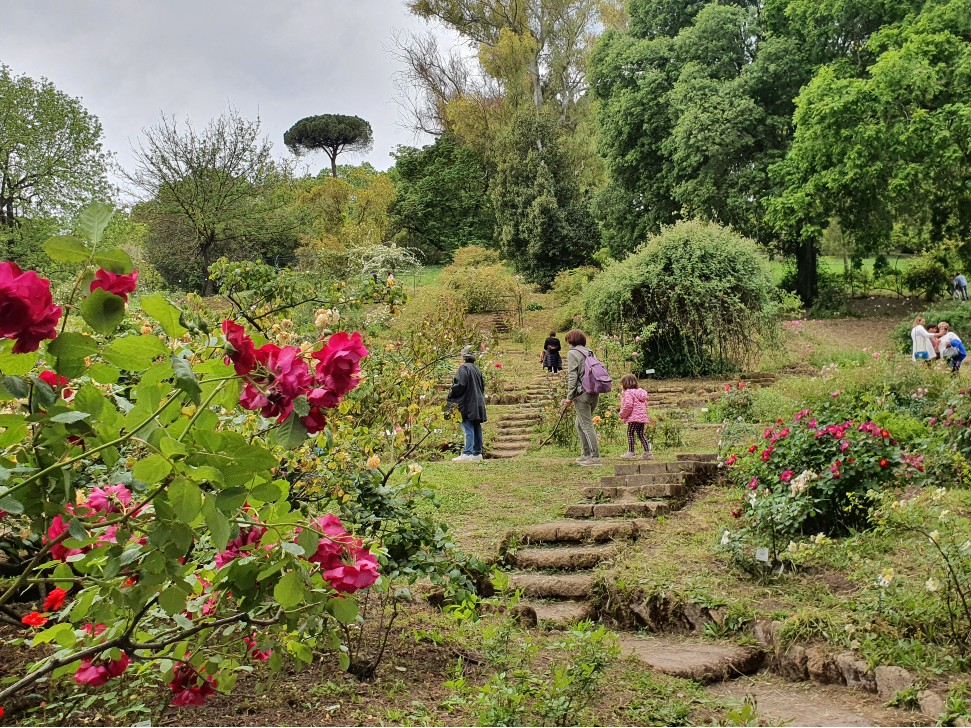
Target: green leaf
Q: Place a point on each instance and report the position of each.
(134, 353)
(172, 600)
(11, 505)
(301, 651)
(185, 378)
(185, 497)
(291, 433)
(171, 447)
(72, 346)
(67, 418)
(165, 312)
(16, 386)
(308, 540)
(289, 591)
(217, 523)
(15, 364)
(267, 492)
(343, 609)
(152, 469)
(114, 260)
(103, 311)
(230, 499)
(51, 634)
(104, 373)
(67, 249)
(345, 660)
(93, 220)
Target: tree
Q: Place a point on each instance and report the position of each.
(544, 222)
(209, 193)
(51, 160)
(905, 116)
(441, 201)
(331, 133)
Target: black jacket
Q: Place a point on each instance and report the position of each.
(468, 393)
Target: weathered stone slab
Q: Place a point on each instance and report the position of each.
(701, 661)
(554, 586)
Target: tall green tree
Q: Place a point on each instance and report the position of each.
(209, 193)
(333, 134)
(51, 161)
(441, 201)
(544, 220)
(886, 144)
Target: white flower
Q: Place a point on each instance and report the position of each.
(932, 584)
(885, 578)
(966, 547)
(944, 514)
(934, 536)
(726, 537)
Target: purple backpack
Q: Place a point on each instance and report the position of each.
(596, 379)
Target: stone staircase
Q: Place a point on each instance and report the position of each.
(499, 324)
(515, 427)
(555, 565)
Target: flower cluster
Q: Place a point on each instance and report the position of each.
(100, 502)
(343, 560)
(27, 311)
(276, 377)
(190, 687)
(98, 672)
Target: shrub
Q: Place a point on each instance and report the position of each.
(480, 289)
(471, 256)
(707, 290)
(927, 274)
(810, 478)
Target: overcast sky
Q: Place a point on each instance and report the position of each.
(281, 60)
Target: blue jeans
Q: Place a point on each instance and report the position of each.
(473, 437)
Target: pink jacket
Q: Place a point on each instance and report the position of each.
(633, 405)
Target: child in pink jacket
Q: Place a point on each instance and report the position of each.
(633, 411)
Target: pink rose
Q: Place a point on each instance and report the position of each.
(290, 377)
(107, 499)
(98, 673)
(339, 361)
(27, 311)
(117, 283)
(189, 686)
(243, 355)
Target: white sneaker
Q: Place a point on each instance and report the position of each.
(464, 458)
(476, 458)
(592, 462)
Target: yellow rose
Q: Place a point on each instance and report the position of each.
(373, 462)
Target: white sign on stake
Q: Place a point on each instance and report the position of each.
(762, 554)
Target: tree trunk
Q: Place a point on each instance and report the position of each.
(205, 248)
(807, 285)
(333, 163)
(537, 80)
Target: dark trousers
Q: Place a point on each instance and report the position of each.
(636, 429)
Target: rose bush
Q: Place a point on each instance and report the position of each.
(807, 478)
(158, 532)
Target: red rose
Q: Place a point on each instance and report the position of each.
(55, 600)
(34, 619)
(27, 311)
(190, 686)
(290, 377)
(753, 448)
(884, 462)
(338, 362)
(95, 674)
(119, 284)
(243, 355)
(57, 383)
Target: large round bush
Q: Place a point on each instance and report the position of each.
(698, 295)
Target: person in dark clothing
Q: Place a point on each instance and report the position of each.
(468, 396)
(551, 359)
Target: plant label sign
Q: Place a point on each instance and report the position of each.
(762, 554)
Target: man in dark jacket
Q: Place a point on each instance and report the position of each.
(468, 396)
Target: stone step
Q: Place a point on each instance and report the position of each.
(643, 479)
(644, 509)
(554, 586)
(577, 532)
(701, 661)
(562, 557)
(519, 420)
(706, 457)
(635, 492)
(555, 615)
(502, 454)
(650, 467)
(503, 438)
(515, 430)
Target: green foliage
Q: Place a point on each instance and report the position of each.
(333, 134)
(929, 274)
(544, 225)
(705, 291)
(51, 163)
(479, 285)
(524, 690)
(440, 198)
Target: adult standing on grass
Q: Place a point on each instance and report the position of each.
(468, 396)
(960, 286)
(584, 402)
(951, 347)
(552, 361)
(921, 340)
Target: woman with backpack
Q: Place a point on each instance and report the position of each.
(583, 400)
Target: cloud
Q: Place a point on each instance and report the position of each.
(131, 61)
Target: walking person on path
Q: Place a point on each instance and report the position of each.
(633, 411)
(468, 396)
(552, 361)
(584, 402)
